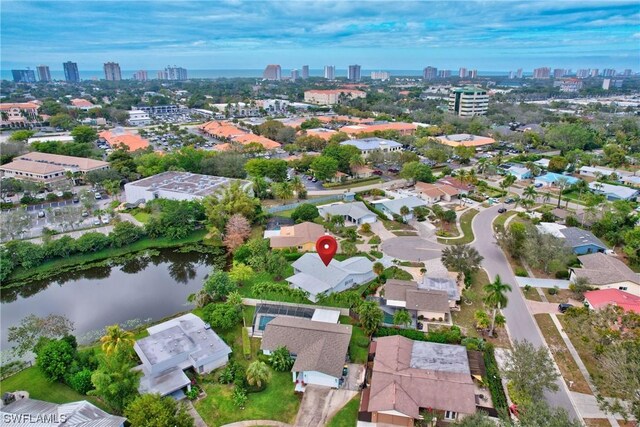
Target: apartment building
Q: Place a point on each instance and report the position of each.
(331, 96)
(44, 75)
(330, 72)
(542, 73)
(354, 73)
(23, 76)
(468, 101)
(141, 75)
(272, 72)
(71, 73)
(112, 71)
(429, 73)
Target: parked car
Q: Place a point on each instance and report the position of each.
(345, 370)
(309, 178)
(502, 210)
(314, 179)
(510, 200)
(41, 214)
(98, 196)
(96, 221)
(105, 220)
(538, 185)
(377, 172)
(394, 170)
(85, 214)
(76, 199)
(564, 307)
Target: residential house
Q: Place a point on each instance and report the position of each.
(174, 346)
(450, 285)
(409, 376)
(319, 348)
(422, 304)
(606, 272)
(580, 241)
(392, 207)
(266, 312)
(517, 170)
(46, 168)
(311, 275)
(361, 172)
(550, 179)
(301, 236)
(614, 192)
(600, 298)
(355, 213)
(543, 163)
(434, 193)
(369, 145)
(463, 188)
(24, 411)
(81, 104)
(598, 171)
(631, 180)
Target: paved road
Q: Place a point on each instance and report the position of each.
(521, 324)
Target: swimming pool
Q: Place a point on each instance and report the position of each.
(263, 321)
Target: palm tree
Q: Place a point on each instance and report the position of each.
(371, 316)
(298, 186)
(115, 339)
(561, 184)
(530, 193)
(258, 373)
(404, 211)
(402, 318)
(378, 269)
(355, 162)
(507, 182)
(482, 320)
(496, 298)
(112, 187)
(283, 190)
(482, 165)
(546, 197)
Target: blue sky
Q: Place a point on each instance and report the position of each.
(217, 34)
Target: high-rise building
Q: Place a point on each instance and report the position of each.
(519, 73)
(44, 75)
(140, 75)
(354, 73)
(608, 72)
(112, 71)
(429, 73)
(594, 72)
(23, 76)
(71, 73)
(542, 73)
(444, 73)
(462, 72)
(295, 74)
(512, 74)
(468, 101)
(473, 74)
(162, 75)
(272, 72)
(558, 73)
(583, 73)
(175, 73)
(380, 75)
(305, 72)
(627, 72)
(330, 72)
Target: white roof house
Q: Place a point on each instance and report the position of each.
(312, 276)
(368, 145)
(391, 207)
(173, 346)
(597, 171)
(354, 212)
(614, 192)
(32, 412)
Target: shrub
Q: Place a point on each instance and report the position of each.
(246, 344)
(375, 240)
(562, 274)
(521, 272)
(81, 381)
(305, 212)
(54, 357)
(193, 393)
(239, 397)
(494, 381)
(552, 291)
(222, 316)
(228, 373)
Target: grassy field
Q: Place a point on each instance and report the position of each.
(33, 381)
(465, 224)
(498, 223)
(531, 294)
(568, 367)
(143, 217)
(66, 264)
(359, 344)
(347, 416)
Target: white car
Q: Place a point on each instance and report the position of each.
(105, 220)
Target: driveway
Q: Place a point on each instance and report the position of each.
(411, 248)
(520, 322)
(355, 377)
(319, 404)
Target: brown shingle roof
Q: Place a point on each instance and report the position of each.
(297, 235)
(81, 163)
(601, 269)
(416, 299)
(31, 167)
(318, 346)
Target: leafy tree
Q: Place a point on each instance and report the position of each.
(558, 164)
(237, 230)
(54, 358)
(232, 200)
(282, 190)
(311, 123)
(496, 298)
(116, 338)
(240, 272)
(513, 240)
(449, 216)
(32, 328)
(281, 359)
(305, 212)
(461, 258)
(80, 381)
(84, 134)
(545, 251)
(538, 413)
(91, 242)
(218, 285)
(348, 248)
(402, 318)
(632, 245)
(114, 380)
(62, 120)
(324, 167)
(579, 287)
(258, 374)
(530, 371)
(479, 419)
(260, 187)
(275, 169)
(276, 264)
(378, 269)
(21, 135)
(342, 154)
(465, 153)
(371, 316)
(571, 136)
(416, 171)
(619, 367)
(125, 233)
(153, 410)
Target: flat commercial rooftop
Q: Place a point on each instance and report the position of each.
(185, 182)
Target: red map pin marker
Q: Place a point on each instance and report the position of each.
(327, 248)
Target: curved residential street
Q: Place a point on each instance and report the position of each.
(520, 322)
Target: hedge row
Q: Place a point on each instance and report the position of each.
(494, 381)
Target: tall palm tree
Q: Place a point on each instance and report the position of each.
(258, 373)
(546, 197)
(530, 193)
(561, 184)
(402, 318)
(496, 298)
(116, 339)
(506, 183)
(298, 186)
(356, 161)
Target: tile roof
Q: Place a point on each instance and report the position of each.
(465, 139)
(435, 190)
(79, 102)
(399, 126)
(601, 269)
(133, 142)
(604, 297)
(249, 138)
(576, 237)
(318, 346)
(31, 167)
(43, 163)
(297, 235)
(21, 105)
(455, 183)
(408, 375)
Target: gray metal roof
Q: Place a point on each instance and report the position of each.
(615, 190)
(315, 277)
(371, 143)
(394, 205)
(356, 210)
(165, 383)
(74, 414)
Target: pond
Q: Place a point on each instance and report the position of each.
(147, 288)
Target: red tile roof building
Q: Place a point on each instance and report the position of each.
(331, 96)
(18, 114)
(235, 137)
(604, 297)
(400, 127)
(132, 142)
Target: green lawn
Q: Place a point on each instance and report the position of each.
(498, 223)
(359, 183)
(347, 416)
(32, 380)
(143, 217)
(359, 344)
(467, 231)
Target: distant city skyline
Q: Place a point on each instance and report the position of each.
(499, 35)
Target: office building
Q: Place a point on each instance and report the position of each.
(44, 75)
(542, 73)
(305, 72)
(112, 71)
(558, 73)
(46, 167)
(429, 73)
(19, 114)
(568, 85)
(462, 72)
(594, 72)
(71, 73)
(272, 72)
(627, 72)
(23, 76)
(331, 96)
(608, 72)
(330, 72)
(583, 73)
(519, 73)
(380, 75)
(473, 74)
(354, 73)
(175, 73)
(468, 101)
(140, 75)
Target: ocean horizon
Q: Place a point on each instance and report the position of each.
(242, 73)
